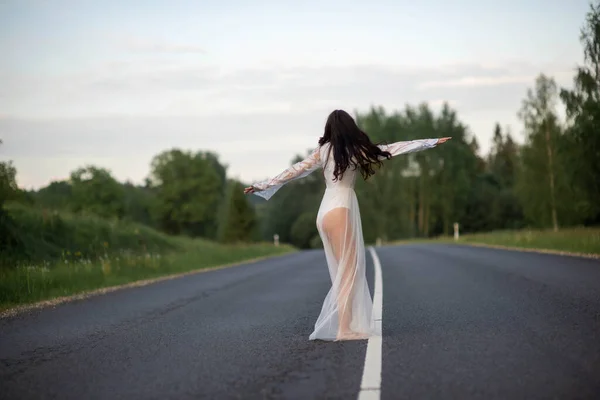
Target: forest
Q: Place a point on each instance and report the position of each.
(551, 181)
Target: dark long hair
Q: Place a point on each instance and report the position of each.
(350, 145)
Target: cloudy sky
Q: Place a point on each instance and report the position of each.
(112, 83)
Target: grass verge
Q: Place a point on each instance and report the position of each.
(69, 256)
(584, 241)
(33, 283)
(575, 241)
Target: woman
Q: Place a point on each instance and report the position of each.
(342, 150)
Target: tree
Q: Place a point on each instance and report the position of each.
(95, 190)
(304, 230)
(280, 213)
(421, 126)
(188, 191)
(542, 131)
(503, 160)
(503, 163)
(8, 183)
(57, 195)
(239, 219)
(421, 193)
(583, 111)
(139, 202)
(477, 213)
(388, 219)
(220, 169)
(8, 191)
(455, 170)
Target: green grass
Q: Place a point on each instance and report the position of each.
(68, 255)
(39, 236)
(573, 240)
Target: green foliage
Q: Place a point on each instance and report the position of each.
(188, 189)
(481, 194)
(422, 193)
(239, 218)
(503, 165)
(134, 203)
(388, 218)
(30, 282)
(138, 203)
(279, 214)
(38, 236)
(8, 183)
(544, 185)
(455, 171)
(503, 160)
(94, 190)
(316, 242)
(58, 195)
(576, 240)
(583, 110)
(304, 230)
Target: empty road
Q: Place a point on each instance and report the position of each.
(458, 322)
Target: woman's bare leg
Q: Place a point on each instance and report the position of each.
(337, 227)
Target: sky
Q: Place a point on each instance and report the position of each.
(113, 83)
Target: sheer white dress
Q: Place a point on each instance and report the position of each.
(346, 311)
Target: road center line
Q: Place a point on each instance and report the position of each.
(370, 386)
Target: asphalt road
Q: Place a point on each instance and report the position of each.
(458, 322)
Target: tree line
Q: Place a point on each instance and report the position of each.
(550, 181)
(186, 193)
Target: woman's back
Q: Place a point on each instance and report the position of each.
(328, 163)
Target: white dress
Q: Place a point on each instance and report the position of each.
(346, 311)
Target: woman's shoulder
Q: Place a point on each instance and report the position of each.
(323, 148)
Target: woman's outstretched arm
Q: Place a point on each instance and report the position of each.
(411, 146)
(268, 187)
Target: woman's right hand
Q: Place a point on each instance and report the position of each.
(443, 140)
(249, 189)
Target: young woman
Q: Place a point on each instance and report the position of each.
(342, 150)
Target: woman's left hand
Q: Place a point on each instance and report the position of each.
(249, 189)
(443, 140)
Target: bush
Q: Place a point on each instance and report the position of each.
(32, 235)
(304, 229)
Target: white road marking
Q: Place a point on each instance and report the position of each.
(370, 386)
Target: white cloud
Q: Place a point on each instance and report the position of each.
(124, 112)
(145, 45)
(471, 81)
(162, 87)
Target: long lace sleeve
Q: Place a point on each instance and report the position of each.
(410, 146)
(269, 187)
